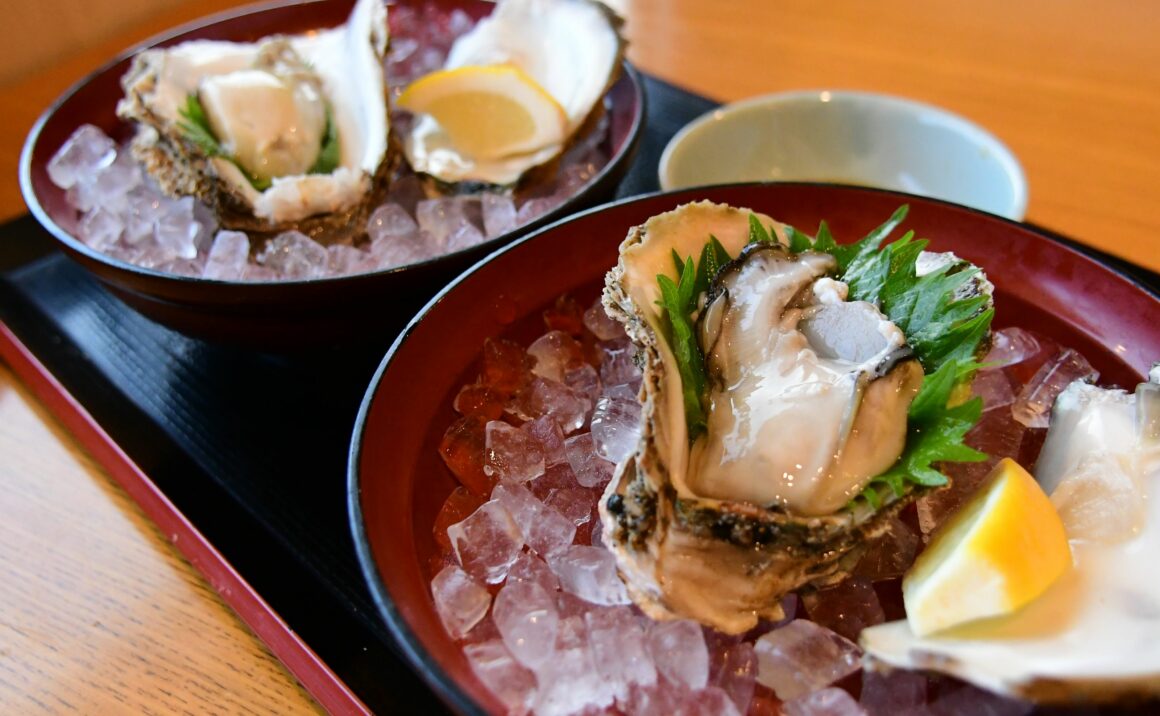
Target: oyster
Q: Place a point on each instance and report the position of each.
(571, 48)
(287, 132)
(806, 396)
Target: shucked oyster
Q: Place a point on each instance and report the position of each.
(288, 132)
(754, 477)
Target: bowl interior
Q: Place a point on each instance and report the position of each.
(848, 138)
(398, 481)
(275, 313)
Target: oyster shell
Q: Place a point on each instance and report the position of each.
(808, 398)
(271, 108)
(571, 48)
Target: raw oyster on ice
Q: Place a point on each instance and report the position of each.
(757, 482)
(288, 132)
(570, 48)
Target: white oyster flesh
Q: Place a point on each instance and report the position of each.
(268, 104)
(571, 48)
(791, 375)
(1094, 635)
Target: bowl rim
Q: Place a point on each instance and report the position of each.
(421, 661)
(625, 154)
(977, 134)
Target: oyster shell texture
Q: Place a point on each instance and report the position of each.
(572, 48)
(722, 548)
(344, 64)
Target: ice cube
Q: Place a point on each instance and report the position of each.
(550, 438)
(994, 387)
(342, 260)
(1033, 405)
(530, 568)
(591, 469)
(511, 683)
(479, 399)
(511, 453)
(464, 237)
(390, 221)
(735, 673)
(618, 645)
(441, 218)
(589, 573)
(506, 365)
(826, 702)
(616, 427)
(679, 652)
(601, 326)
(802, 657)
(175, 229)
(546, 397)
(565, 315)
(575, 503)
(100, 229)
(499, 214)
(487, 542)
(458, 505)
(391, 251)
(847, 608)
(569, 684)
(228, 256)
(585, 381)
(544, 529)
(617, 366)
(294, 256)
(526, 617)
(1010, 346)
(463, 448)
(460, 601)
(895, 692)
(111, 186)
(553, 353)
(534, 208)
(85, 152)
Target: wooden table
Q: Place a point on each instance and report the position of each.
(100, 612)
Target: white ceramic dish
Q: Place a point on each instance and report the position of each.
(848, 138)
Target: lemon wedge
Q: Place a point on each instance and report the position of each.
(488, 111)
(1003, 548)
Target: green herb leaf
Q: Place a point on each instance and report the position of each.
(758, 234)
(676, 300)
(330, 153)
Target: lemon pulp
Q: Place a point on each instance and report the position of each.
(490, 111)
(1001, 550)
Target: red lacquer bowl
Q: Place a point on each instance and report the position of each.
(286, 313)
(397, 481)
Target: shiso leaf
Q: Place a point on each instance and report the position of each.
(329, 154)
(195, 127)
(678, 300)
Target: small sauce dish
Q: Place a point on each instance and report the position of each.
(848, 138)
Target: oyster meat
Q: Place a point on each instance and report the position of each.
(806, 401)
(287, 132)
(571, 48)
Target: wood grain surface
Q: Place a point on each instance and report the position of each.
(101, 615)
